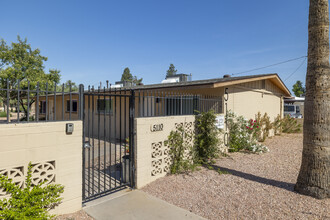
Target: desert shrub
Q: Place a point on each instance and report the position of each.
(243, 134)
(277, 125)
(30, 202)
(207, 137)
(265, 126)
(286, 125)
(290, 125)
(180, 151)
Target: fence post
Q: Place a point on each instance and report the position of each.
(132, 138)
(8, 113)
(81, 117)
(81, 102)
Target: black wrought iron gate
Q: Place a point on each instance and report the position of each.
(108, 139)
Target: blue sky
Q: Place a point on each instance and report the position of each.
(93, 41)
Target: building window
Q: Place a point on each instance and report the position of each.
(289, 108)
(42, 107)
(104, 106)
(181, 105)
(74, 106)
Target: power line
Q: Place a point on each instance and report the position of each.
(296, 69)
(287, 61)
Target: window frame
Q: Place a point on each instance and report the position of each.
(103, 112)
(42, 104)
(286, 108)
(67, 109)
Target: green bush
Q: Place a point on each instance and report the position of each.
(31, 202)
(180, 151)
(207, 137)
(4, 114)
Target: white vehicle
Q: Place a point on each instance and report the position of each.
(292, 110)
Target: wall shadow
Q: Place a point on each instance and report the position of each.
(271, 182)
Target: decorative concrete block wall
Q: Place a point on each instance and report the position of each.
(55, 156)
(152, 151)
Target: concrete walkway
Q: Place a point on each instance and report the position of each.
(135, 205)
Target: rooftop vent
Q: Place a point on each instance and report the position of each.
(178, 78)
(226, 76)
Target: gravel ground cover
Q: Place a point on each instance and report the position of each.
(258, 186)
(75, 216)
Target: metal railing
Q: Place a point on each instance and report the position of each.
(33, 102)
(163, 103)
(24, 101)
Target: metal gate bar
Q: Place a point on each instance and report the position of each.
(108, 124)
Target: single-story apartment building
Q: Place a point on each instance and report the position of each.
(244, 95)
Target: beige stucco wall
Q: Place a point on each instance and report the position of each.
(47, 146)
(151, 154)
(248, 102)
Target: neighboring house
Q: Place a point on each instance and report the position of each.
(294, 106)
(62, 110)
(247, 95)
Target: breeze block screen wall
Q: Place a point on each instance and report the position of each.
(55, 157)
(152, 150)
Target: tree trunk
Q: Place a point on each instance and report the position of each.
(314, 176)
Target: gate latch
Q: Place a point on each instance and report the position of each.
(87, 145)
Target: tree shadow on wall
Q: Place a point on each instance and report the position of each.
(248, 176)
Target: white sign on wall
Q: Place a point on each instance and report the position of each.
(220, 121)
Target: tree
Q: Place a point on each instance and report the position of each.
(19, 63)
(128, 77)
(314, 175)
(171, 70)
(298, 89)
(137, 81)
(74, 87)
